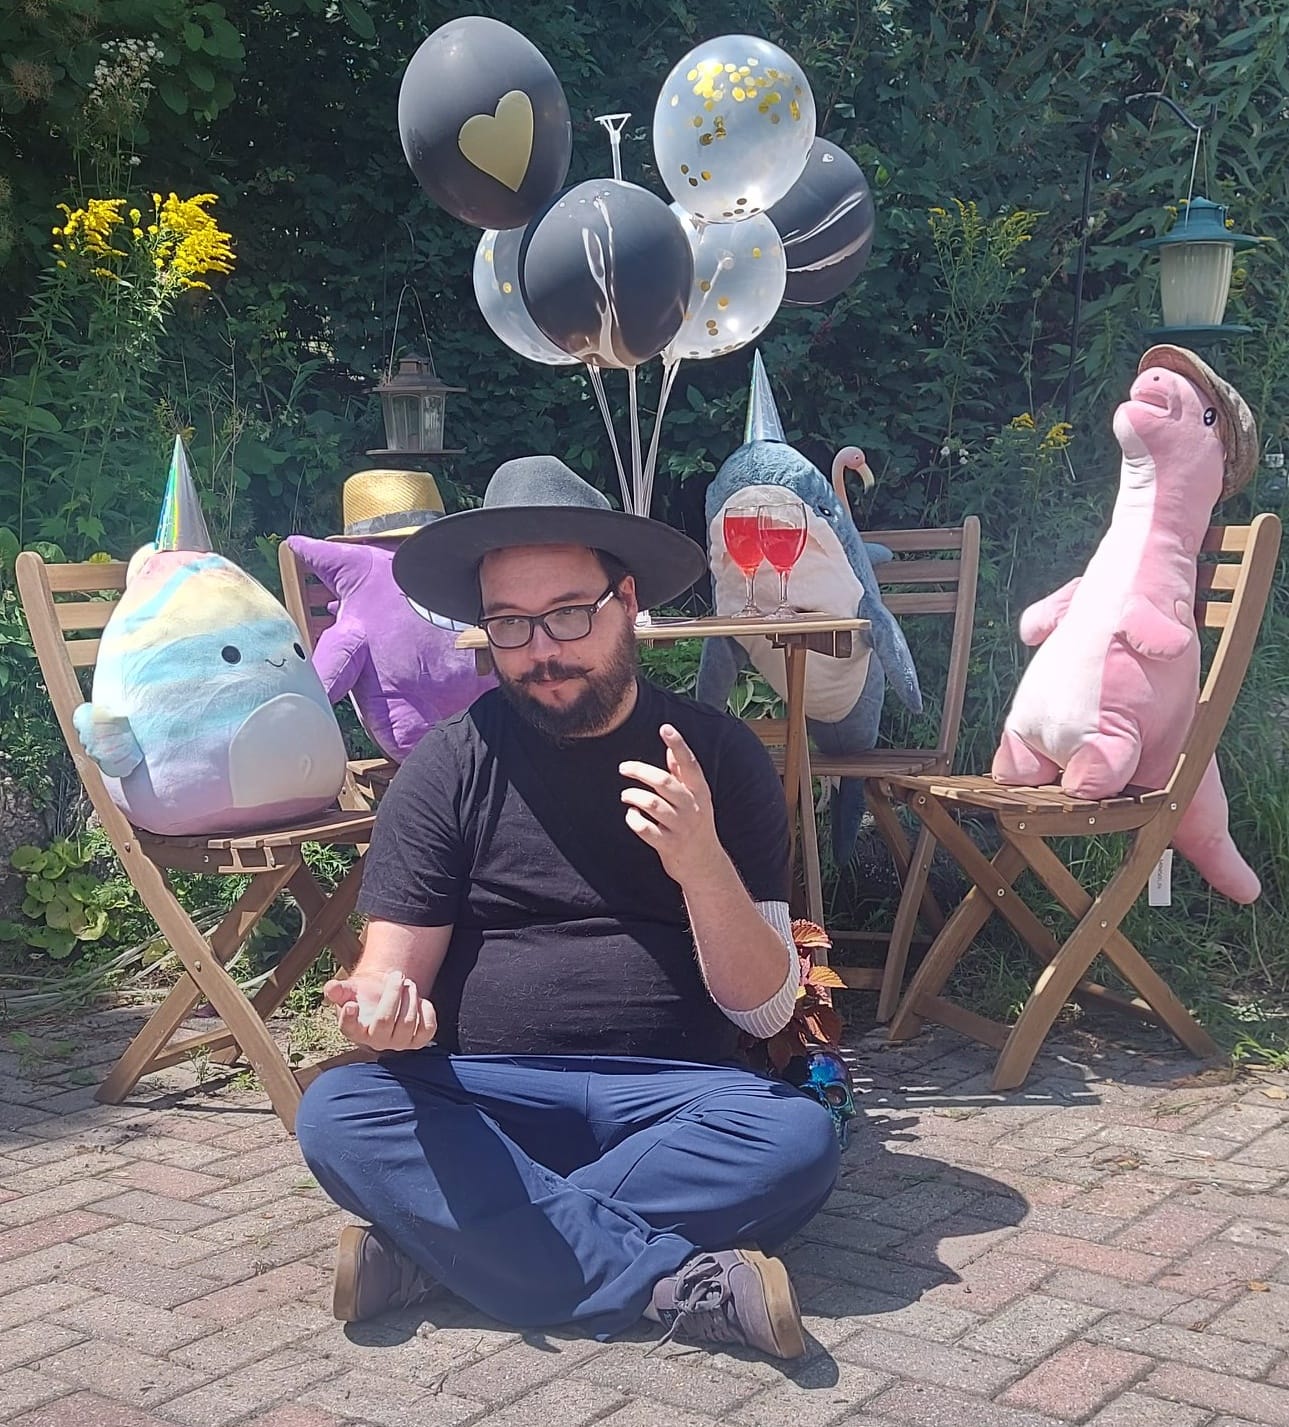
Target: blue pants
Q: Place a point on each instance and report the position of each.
(560, 1189)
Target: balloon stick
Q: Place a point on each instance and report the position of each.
(597, 382)
(637, 470)
(613, 125)
(669, 370)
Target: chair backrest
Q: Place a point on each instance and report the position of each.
(1237, 567)
(305, 596)
(66, 606)
(935, 573)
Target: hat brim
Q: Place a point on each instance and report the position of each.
(438, 567)
(1239, 429)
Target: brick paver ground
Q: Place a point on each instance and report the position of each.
(1109, 1245)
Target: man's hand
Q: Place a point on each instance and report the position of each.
(382, 1010)
(673, 811)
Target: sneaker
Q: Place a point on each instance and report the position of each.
(738, 1296)
(373, 1278)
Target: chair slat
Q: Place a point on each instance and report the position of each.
(897, 540)
(83, 652)
(1226, 540)
(81, 579)
(84, 614)
(1211, 615)
(919, 572)
(1218, 577)
(923, 602)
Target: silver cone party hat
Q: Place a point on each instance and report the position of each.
(763, 422)
(182, 525)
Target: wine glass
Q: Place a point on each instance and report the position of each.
(782, 531)
(743, 541)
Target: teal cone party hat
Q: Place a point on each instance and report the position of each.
(182, 525)
(763, 422)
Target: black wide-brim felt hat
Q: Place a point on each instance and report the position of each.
(538, 500)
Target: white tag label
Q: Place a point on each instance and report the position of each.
(1160, 887)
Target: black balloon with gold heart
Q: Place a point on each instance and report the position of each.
(484, 123)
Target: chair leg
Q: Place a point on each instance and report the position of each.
(906, 919)
(959, 932)
(1125, 957)
(810, 868)
(232, 932)
(888, 824)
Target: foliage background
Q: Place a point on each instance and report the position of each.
(285, 109)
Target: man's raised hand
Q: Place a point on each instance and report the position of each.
(672, 811)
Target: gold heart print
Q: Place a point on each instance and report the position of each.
(501, 144)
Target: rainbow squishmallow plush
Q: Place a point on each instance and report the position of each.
(206, 715)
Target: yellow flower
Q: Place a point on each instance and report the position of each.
(192, 244)
(1058, 436)
(1023, 422)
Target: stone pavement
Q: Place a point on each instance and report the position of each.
(1107, 1246)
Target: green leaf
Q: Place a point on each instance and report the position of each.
(360, 22)
(173, 97)
(28, 858)
(194, 36)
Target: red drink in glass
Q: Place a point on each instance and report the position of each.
(782, 529)
(741, 528)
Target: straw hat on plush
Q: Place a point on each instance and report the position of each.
(388, 505)
(1238, 429)
(538, 500)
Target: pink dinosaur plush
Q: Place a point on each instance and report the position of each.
(404, 672)
(1109, 697)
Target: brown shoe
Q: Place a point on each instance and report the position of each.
(373, 1278)
(738, 1296)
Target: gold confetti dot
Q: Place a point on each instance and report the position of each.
(794, 109)
(739, 95)
(774, 118)
(774, 97)
(693, 183)
(756, 252)
(731, 69)
(692, 75)
(507, 288)
(709, 106)
(763, 108)
(713, 328)
(797, 90)
(487, 257)
(704, 286)
(706, 139)
(706, 177)
(675, 99)
(753, 62)
(722, 302)
(740, 202)
(684, 168)
(697, 121)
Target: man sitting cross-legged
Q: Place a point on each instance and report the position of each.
(577, 893)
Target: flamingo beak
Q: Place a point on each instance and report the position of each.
(862, 470)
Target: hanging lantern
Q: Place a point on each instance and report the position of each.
(1195, 260)
(414, 403)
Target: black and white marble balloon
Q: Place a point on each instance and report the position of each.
(606, 271)
(826, 221)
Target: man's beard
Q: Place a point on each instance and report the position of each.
(602, 693)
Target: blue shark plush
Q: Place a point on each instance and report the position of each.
(833, 576)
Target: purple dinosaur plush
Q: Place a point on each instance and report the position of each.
(403, 672)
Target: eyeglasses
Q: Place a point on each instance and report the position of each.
(569, 622)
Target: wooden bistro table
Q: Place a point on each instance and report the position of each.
(797, 635)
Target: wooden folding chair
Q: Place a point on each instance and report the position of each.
(66, 606)
(934, 573)
(308, 603)
(1027, 817)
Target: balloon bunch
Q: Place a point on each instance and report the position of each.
(606, 273)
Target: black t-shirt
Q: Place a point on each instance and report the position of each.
(568, 936)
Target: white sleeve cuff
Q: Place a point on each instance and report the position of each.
(771, 1016)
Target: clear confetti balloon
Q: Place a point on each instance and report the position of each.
(740, 270)
(733, 128)
(496, 289)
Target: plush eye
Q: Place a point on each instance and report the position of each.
(824, 511)
(298, 650)
(231, 654)
(1210, 415)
